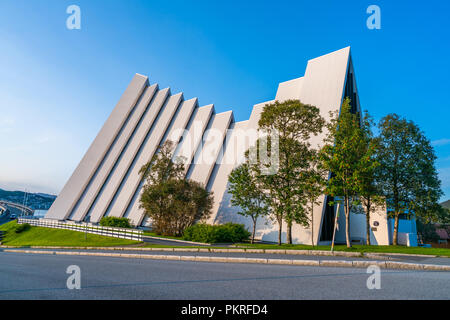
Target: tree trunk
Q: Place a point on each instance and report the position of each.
(347, 223)
(368, 205)
(280, 224)
(334, 228)
(253, 233)
(312, 225)
(347, 231)
(368, 228)
(395, 240)
(289, 232)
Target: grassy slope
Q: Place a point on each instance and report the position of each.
(357, 248)
(153, 234)
(39, 236)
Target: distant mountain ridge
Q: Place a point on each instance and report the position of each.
(46, 195)
(35, 201)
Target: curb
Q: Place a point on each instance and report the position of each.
(320, 263)
(406, 254)
(369, 255)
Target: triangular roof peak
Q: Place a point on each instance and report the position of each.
(343, 51)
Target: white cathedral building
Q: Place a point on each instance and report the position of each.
(107, 181)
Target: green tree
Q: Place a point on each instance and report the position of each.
(348, 158)
(162, 166)
(443, 215)
(408, 177)
(294, 123)
(160, 174)
(247, 194)
(168, 199)
(369, 192)
(191, 203)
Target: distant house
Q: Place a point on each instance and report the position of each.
(443, 234)
(39, 213)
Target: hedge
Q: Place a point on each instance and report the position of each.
(22, 227)
(226, 233)
(115, 222)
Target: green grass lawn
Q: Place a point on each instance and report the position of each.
(40, 236)
(355, 248)
(152, 234)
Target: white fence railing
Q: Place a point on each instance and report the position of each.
(122, 233)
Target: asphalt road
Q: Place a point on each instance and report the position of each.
(28, 276)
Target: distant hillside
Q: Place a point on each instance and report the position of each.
(33, 200)
(45, 195)
(446, 204)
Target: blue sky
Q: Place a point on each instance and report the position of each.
(58, 86)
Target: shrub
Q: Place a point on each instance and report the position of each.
(115, 222)
(172, 202)
(427, 230)
(22, 227)
(229, 232)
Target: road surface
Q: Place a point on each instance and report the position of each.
(29, 276)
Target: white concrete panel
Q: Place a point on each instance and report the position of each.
(76, 184)
(131, 210)
(102, 202)
(210, 147)
(131, 184)
(379, 231)
(192, 138)
(256, 114)
(222, 210)
(236, 143)
(100, 177)
(289, 89)
(324, 81)
(150, 145)
(181, 121)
